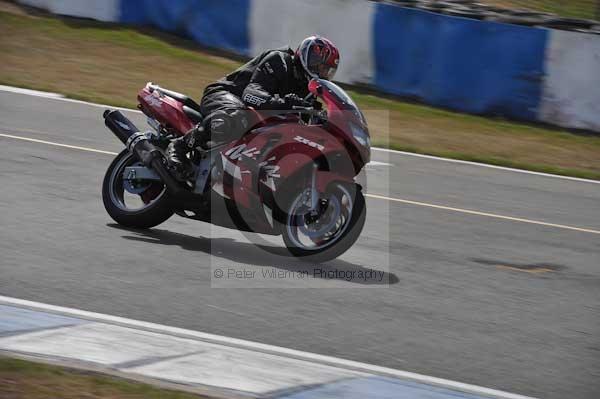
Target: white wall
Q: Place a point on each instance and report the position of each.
(102, 10)
(348, 23)
(571, 90)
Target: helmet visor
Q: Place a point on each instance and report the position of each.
(318, 66)
(326, 72)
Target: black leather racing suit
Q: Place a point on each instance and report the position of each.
(257, 83)
(262, 83)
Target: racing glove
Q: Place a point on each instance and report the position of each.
(291, 100)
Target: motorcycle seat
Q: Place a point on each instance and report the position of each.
(182, 98)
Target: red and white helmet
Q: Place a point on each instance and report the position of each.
(319, 57)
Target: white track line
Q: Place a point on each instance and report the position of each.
(257, 346)
(377, 163)
(74, 147)
(400, 200)
(486, 214)
(59, 97)
(29, 92)
(485, 165)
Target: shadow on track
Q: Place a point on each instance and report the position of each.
(248, 253)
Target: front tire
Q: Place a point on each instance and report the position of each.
(144, 209)
(347, 214)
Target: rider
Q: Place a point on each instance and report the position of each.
(275, 80)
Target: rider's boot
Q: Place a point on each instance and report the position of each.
(180, 165)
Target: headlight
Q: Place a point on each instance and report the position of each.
(360, 135)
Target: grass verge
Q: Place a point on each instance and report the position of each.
(109, 63)
(25, 379)
(587, 9)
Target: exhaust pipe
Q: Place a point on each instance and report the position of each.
(137, 143)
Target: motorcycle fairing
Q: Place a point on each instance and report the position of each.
(256, 166)
(166, 110)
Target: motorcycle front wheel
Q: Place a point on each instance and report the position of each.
(134, 203)
(323, 234)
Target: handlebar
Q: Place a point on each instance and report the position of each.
(309, 111)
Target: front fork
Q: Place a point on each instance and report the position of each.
(314, 193)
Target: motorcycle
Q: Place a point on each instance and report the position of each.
(292, 174)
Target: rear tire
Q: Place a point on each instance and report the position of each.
(345, 240)
(148, 215)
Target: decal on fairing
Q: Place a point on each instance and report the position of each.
(153, 100)
(237, 152)
(309, 143)
(231, 168)
(271, 172)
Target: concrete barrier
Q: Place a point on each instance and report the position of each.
(571, 87)
(102, 10)
(348, 23)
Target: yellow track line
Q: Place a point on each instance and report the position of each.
(376, 196)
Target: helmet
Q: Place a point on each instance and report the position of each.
(319, 57)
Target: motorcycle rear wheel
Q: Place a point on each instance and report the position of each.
(343, 218)
(155, 206)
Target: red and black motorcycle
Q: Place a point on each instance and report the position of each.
(292, 174)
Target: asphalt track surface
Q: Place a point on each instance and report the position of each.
(482, 299)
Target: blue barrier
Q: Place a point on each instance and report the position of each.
(458, 63)
(212, 23)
